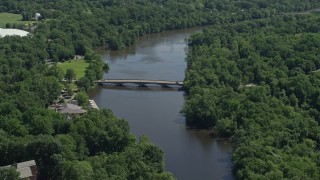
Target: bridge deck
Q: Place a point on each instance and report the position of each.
(139, 82)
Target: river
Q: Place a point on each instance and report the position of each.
(155, 112)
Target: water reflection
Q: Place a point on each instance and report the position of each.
(155, 111)
(139, 88)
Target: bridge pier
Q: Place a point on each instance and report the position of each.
(165, 86)
(142, 85)
(139, 82)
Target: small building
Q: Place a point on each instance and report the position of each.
(27, 170)
(71, 109)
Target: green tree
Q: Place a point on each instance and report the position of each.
(56, 72)
(8, 25)
(9, 173)
(70, 75)
(84, 84)
(43, 149)
(75, 170)
(69, 90)
(82, 98)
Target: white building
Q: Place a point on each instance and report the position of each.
(12, 32)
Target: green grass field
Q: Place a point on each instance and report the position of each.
(79, 67)
(11, 18)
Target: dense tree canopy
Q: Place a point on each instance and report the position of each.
(258, 82)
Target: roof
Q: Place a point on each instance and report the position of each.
(24, 168)
(72, 106)
(26, 164)
(24, 172)
(72, 109)
(12, 32)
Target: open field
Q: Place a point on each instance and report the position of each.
(11, 18)
(79, 67)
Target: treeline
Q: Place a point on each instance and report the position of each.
(258, 82)
(98, 145)
(74, 27)
(95, 146)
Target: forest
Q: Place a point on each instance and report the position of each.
(252, 77)
(258, 82)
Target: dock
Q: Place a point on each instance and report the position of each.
(92, 104)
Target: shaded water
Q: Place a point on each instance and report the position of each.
(155, 112)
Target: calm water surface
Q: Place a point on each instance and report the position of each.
(155, 112)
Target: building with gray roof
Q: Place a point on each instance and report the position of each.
(72, 110)
(27, 170)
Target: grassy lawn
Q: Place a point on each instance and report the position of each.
(79, 67)
(11, 18)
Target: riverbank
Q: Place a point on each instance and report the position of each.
(188, 153)
(155, 112)
(100, 140)
(262, 116)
